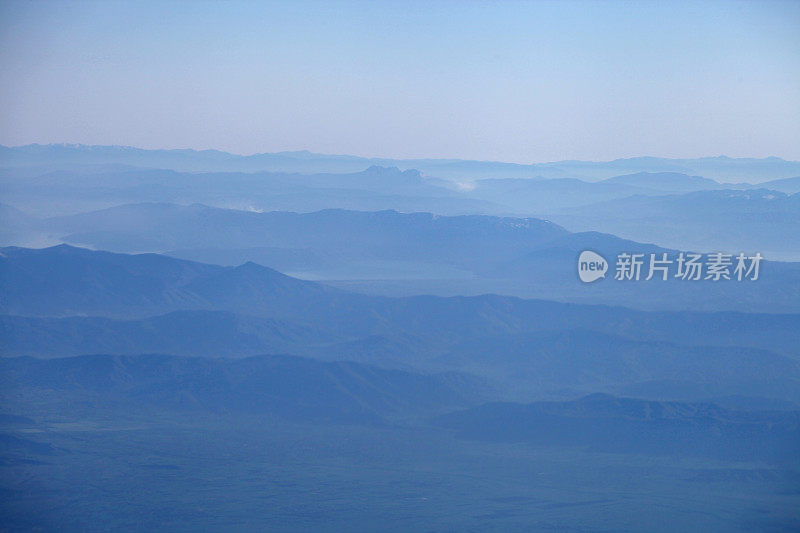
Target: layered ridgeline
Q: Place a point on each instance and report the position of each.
(373, 188)
(292, 388)
(394, 253)
(296, 390)
(216, 384)
(68, 301)
(604, 423)
(754, 219)
(674, 206)
(672, 210)
(61, 156)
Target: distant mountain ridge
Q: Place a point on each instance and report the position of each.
(66, 301)
(605, 423)
(573, 354)
(752, 219)
(79, 281)
(665, 181)
(59, 190)
(569, 201)
(729, 169)
(68, 281)
(423, 253)
(389, 235)
(294, 388)
(304, 390)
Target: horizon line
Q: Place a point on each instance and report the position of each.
(374, 158)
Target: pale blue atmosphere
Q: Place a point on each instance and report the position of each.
(519, 82)
(399, 266)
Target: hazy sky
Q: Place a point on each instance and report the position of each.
(511, 81)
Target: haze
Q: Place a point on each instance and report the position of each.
(522, 82)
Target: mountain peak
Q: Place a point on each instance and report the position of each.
(677, 181)
(392, 171)
(250, 268)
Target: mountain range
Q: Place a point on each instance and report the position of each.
(748, 220)
(402, 254)
(675, 210)
(300, 390)
(82, 156)
(293, 388)
(67, 301)
(604, 423)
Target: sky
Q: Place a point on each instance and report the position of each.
(509, 81)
